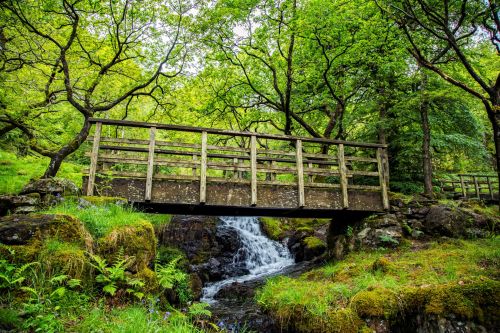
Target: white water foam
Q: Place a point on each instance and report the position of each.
(259, 254)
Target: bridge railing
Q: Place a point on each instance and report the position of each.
(182, 153)
(477, 186)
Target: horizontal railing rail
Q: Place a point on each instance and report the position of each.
(213, 155)
(471, 186)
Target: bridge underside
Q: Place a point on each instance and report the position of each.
(234, 198)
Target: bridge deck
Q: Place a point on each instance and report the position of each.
(209, 170)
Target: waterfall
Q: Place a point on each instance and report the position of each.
(259, 254)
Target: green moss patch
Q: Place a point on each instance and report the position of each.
(277, 228)
(137, 241)
(312, 242)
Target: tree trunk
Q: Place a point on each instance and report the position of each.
(426, 139)
(60, 155)
(496, 138)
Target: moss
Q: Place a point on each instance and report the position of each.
(305, 229)
(149, 278)
(137, 241)
(272, 227)
(379, 302)
(313, 242)
(103, 201)
(58, 257)
(382, 264)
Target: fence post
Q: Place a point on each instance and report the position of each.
(382, 173)
(151, 156)
(203, 168)
(93, 158)
(300, 172)
(476, 187)
(490, 188)
(462, 184)
(343, 176)
(253, 166)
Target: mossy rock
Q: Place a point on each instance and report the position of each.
(26, 234)
(382, 264)
(137, 241)
(379, 302)
(58, 257)
(314, 243)
(272, 227)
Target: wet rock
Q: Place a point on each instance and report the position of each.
(194, 235)
(236, 291)
(19, 204)
(209, 249)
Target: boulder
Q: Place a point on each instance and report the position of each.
(51, 189)
(58, 242)
(380, 231)
(19, 204)
(25, 229)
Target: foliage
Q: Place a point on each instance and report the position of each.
(113, 278)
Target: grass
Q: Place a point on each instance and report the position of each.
(380, 280)
(16, 172)
(102, 219)
(133, 319)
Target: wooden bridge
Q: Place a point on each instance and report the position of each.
(194, 170)
(471, 186)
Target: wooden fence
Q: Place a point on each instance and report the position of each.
(471, 186)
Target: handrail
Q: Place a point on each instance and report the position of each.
(183, 128)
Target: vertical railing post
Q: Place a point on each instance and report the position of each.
(300, 172)
(462, 185)
(93, 158)
(203, 168)
(253, 168)
(273, 174)
(382, 174)
(235, 172)
(343, 177)
(310, 176)
(151, 156)
(193, 169)
(476, 187)
(490, 188)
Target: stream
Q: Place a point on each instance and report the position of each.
(259, 255)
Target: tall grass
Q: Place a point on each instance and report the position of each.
(99, 220)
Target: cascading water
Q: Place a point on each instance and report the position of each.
(258, 254)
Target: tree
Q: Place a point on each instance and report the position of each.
(442, 32)
(85, 57)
